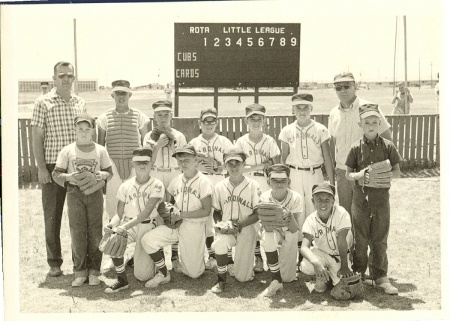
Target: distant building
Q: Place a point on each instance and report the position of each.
(35, 85)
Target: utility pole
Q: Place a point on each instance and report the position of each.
(431, 85)
(406, 67)
(419, 73)
(75, 48)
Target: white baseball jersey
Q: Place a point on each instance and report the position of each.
(305, 143)
(257, 153)
(164, 158)
(213, 147)
(324, 234)
(135, 196)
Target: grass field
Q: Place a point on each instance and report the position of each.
(414, 268)
(324, 100)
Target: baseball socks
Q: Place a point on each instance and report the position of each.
(122, 280)
(163, 276)
(230, 263)
(222, 261)
(259, 266)
(274, 267)
(211, 261)
(300, 256)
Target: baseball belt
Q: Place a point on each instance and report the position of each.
(305, 168)
(166, 169)
(256, 174)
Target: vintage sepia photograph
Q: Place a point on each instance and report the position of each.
(232, 156)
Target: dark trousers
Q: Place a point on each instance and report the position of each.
(371, 216)
(85, 222)
(53, 197)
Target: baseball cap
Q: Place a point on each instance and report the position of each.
(367, 110)
(278, 171)
(121, 85)
(324, 188)
(208, 112)
(255, 109)
(142, 154)
(344, 76)
(186, 149)
(44, 84)
(84, 118)
(162, 105)
(234, 154)
(302, 99)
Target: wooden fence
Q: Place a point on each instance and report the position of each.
(416, 137)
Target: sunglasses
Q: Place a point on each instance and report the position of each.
(339, 88)
(209, 122)
(69, 75)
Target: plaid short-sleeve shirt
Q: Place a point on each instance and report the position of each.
(56, 117)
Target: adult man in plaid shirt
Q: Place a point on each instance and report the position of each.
(52, 129)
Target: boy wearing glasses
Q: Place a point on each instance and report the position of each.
(52, 129)
(327, 239)
(121, 130)
(138, 198)
(262, 151)
(212, 145)
(344, 131)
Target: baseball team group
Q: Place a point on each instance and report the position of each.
(232, 207)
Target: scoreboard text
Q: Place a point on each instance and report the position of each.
(237, 54)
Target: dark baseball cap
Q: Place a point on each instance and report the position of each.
(255, 109)
(367, 110)
(208, 112)
(186, 149)
(84, 118)
(162, 105)
(44, 83)
(344, 76)
(121, 85)
(302, 99)
(234, 154)
(278, 171)
(324, 188)
(142, 154)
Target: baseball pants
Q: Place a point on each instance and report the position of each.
(214, 179)
(112, 186)
(287, 252)
(244, 258)
(191, 238)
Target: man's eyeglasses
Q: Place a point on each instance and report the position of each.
(69, 75)
(209, 122)
(339, 88)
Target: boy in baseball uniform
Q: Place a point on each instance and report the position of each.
(165, 167)
(328, 231)
(370, 207)
(261, 151)
(234, 200)
(121, 130)
(304, 148)
(85, 212)
(191, 194)
(281, 253)
(138, 198)
(212, 146)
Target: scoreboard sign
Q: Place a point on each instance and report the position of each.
(237, 54)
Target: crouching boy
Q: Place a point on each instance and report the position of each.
(328, 230)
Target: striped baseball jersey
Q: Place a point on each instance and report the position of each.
(305, 143)
(164, 158)
(189, 193)
(135, 196)
(259, 152)
(55, 116)
(236, 202)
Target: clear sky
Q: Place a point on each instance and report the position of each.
(136, 41)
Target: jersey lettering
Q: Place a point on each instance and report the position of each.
(240, 200)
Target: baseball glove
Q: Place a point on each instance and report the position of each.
(226, 227)
(380, 175)
(157, 131)
(350, 288)
(170, 215)
(273, 216)
(114, 242)
(88, 182)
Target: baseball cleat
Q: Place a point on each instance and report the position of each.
(94, 280)
(259, 266)
(158, 280)
(219, 287)
(230, 269)
(321, 285)
(272, 289)
(176, 266)
(120, 285)
(55, 271)
(79, 281)
(210, 263)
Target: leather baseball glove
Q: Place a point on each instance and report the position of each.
(350, 288)
(157, 131)
(89, 182)
(170, 215)
(273, 216)
(227, 227)
(114, 242)
(380, 175)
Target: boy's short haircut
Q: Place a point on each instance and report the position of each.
(186, 149)
(302, 99)
(367, 110)
(278, 171)
(84, 118)
(61, 63)
(255, 109)
(324, 188)
(234, 154)
(142, 154)
(208, 112)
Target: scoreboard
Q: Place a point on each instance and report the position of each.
(237, 54)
